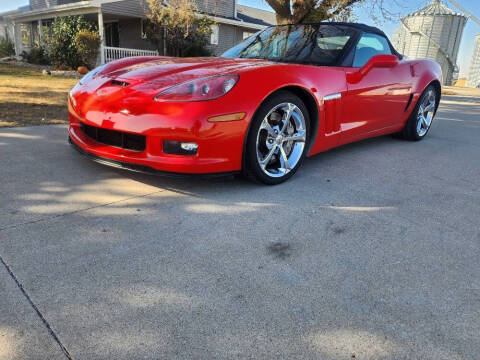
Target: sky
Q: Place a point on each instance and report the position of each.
(364, 16)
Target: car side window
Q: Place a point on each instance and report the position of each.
(370, 45)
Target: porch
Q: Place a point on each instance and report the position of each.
(115, 53)
(121, 35)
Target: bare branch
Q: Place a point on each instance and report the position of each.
(298, 11)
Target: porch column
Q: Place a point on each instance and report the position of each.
(40, 32)
(15, 43)
(102, 40)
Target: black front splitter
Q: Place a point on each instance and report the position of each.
(144, 168)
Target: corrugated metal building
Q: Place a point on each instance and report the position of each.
(474, 73)
(433, 32)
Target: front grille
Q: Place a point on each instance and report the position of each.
(115, 138)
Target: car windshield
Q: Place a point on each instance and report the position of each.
(305, 44)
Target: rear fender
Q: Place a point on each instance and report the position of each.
(425, 72)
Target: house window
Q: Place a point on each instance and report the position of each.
(26, 31)
(247, 34)
(214, 35)
(143, 32)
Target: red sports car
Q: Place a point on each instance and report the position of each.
(287, 92)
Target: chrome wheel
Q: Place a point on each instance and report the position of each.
(426, 111)
(281, 140)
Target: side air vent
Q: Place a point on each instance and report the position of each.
(120, 83)
(409, 102)
(333, 112)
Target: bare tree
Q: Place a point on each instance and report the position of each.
(304, 11)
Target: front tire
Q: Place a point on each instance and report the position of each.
(278, 139)
(421, 118)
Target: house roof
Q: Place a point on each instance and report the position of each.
(256, 16)
(58, 10)
(14, 12)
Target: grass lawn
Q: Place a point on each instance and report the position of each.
(29, 98)
(460, 91)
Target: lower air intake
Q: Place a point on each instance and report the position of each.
(115, 138)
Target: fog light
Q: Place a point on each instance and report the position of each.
(180, 148)
(189, 146)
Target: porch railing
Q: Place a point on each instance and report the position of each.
(114, 53)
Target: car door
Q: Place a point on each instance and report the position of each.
(377, 102)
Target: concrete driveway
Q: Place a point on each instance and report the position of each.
(372, 251)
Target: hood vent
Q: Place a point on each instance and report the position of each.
(120, 83)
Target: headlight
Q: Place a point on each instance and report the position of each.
(208, 88)
(72, 97)
(91, 74)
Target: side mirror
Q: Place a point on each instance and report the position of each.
(377, 61)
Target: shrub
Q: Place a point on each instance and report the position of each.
(61, 46)
(37, 55)
(87, 44)
(6, 48)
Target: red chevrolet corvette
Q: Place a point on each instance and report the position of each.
(287, 92)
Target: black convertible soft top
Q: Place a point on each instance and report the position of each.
(343, 57)
(357, 26)
(367, 29)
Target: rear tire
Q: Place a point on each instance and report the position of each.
(278, 139)
(421, 118)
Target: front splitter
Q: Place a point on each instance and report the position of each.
(144, 168)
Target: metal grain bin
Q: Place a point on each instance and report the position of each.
(433, 32)
(474, 73)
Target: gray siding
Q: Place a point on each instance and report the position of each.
(42, 4)
(131, 36)
(223, 8)
(63, 2)
(131, 8)
(136, 8)
(227, 35)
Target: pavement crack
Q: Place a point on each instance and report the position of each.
(14, 226)
(40, 315)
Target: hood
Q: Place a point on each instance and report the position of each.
(168, 71)
(126, 83)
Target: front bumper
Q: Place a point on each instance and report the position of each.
(220, 145)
